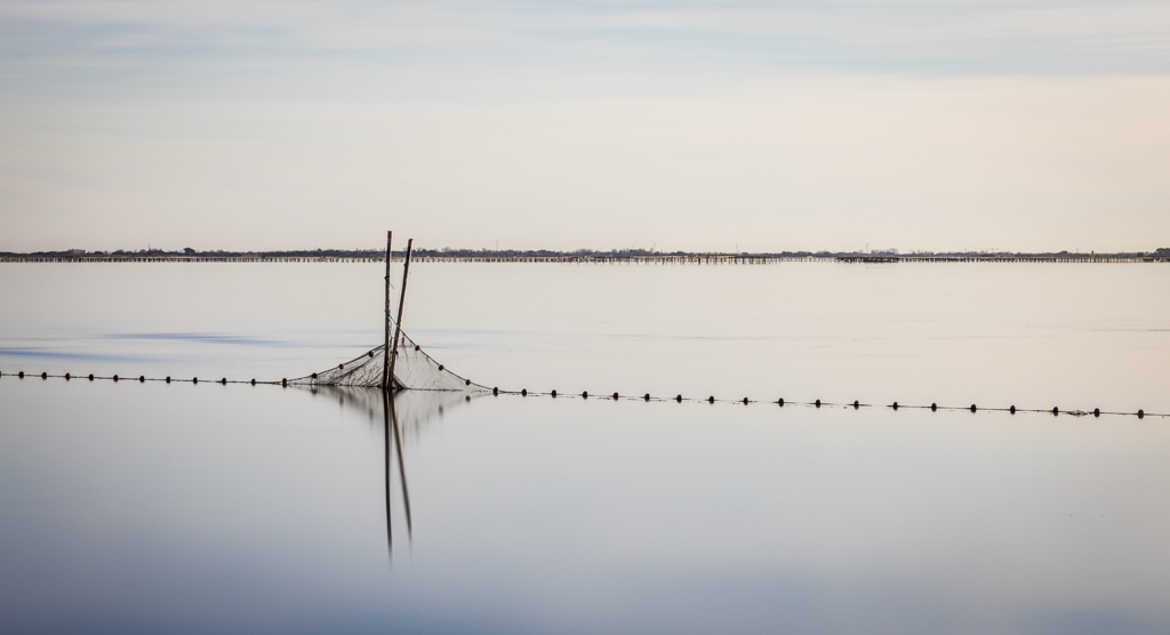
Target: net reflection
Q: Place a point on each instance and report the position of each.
(404, 414)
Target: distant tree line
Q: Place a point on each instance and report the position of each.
(189, 252)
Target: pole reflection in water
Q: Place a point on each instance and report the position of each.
(404, 415)
(393, 436)
(387, 407)
(401, 466)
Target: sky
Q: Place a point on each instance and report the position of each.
(915, 125)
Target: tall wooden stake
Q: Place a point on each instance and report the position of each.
(401, 301)
(386, 319)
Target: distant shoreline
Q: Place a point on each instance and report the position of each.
(582, 256)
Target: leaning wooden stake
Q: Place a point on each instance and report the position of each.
(386, 319)
(398, 320)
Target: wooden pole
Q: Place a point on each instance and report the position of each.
(386, 320)
(398, 320)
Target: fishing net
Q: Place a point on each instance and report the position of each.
(414, 369)
(409, 368)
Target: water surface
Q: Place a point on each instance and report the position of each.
(210, 508)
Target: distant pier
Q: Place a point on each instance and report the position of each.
(1069, 258)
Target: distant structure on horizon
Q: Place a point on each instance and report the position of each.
(447, 254)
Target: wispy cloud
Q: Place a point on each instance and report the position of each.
(144, 41)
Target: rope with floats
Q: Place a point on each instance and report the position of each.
(820, 403)
(617, 396)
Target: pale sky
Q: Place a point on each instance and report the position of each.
(944, 124)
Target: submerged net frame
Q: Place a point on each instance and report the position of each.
(407, 367)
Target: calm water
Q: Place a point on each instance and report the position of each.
(205, 508)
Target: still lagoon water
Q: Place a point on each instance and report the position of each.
(207, 508)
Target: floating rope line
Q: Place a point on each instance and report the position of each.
(585, 395)
(820, 403)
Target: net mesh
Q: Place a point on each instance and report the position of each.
(414, 369)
